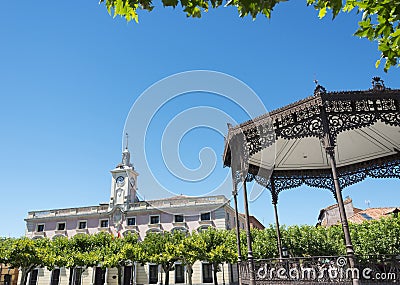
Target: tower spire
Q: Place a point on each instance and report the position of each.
(126, 156)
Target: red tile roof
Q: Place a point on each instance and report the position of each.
(371, 214)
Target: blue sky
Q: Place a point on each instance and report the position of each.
(69, 74)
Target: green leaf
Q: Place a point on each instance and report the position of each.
(322, 13)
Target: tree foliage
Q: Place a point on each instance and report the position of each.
(368, 238)
(380, 20)
(212, 245)
(192, 248)
(25, 254)
(164, 249)
(376, 237)
(59, 253)
(4, 243)
(219, 248)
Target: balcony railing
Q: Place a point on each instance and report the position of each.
(68, 212)
(373, 269)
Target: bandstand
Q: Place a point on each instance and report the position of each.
(329, 140)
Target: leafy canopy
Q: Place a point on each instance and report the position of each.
(379, 20)
(25, 253)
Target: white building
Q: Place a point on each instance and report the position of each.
(124, 213)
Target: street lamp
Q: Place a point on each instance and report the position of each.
(285, 253)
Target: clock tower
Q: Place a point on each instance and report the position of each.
(123, 183)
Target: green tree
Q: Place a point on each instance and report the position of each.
(376, 237)
(113, 251)
(379, 22)
(164, 249)
(308, 240)
(83, 251)
(192, 247)
(4, 243)
(58, 253)
(26, 254)
(264, 243)
(220, 247)
(132, 250)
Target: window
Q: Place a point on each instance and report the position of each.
(153, 274)
(203, 228)
(205, 216)
(40, 228)
(82, 225)
(179, 273)
(178, 218)
(33, 277)
(75, 276)
(55, 276)
(100, 276)
(154, 231)
(366, 216)
(131, 221)
(128, 275)
(60, 226)
(228, 217)
(179, 229)
(104, 224)
(207, 273)
(129, 233)
(7, 279)
(154, 219)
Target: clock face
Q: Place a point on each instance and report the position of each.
(120, 180)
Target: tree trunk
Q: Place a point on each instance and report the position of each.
(189, 270)
(24, 276)
(166, 278)
(215, 268)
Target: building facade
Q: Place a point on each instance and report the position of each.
(125, 213)
(330, 215)
(8, 275)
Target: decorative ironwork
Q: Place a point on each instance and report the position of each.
(342, 122)
(388, 167)
(259, 137)
(343, 110)
(305, 122)
(392, 119)
(376, 269)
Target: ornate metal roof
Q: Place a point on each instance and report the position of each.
(290, 142)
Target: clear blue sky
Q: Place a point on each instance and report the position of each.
(69, 74)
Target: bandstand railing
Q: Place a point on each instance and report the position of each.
(372, 269)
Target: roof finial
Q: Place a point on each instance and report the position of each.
(377, 84)
(319, 89)
(126, 142)
(126, 156)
